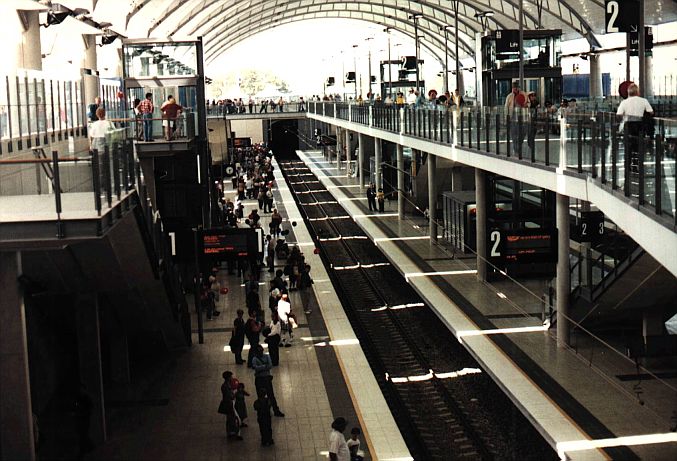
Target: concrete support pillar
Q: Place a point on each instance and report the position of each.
(647, 91)
(595, 76)
(339, 146)
(16, 412)
(400, 181)
(432, 195)
(360, 170)
(456, 179)
(90, 67)
(349, 152)
(378, 155)
(28, 52)
(563, 282)
(481, 224)
(89, 351)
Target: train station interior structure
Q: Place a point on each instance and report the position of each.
(492, 277)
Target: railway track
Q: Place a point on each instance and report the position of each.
(443, 403)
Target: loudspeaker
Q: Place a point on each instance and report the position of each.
(350, 77)
(330, 81)
(373, 79)
(409, 62)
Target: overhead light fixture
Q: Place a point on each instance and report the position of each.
(108, 39)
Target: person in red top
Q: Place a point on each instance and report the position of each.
(145, 109)
(170, 112)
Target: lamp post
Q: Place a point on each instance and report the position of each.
(355, 67)
(416, 17)
(483, 18)
(458, 62)
(369, 67)
(390, 67)
(446, 57)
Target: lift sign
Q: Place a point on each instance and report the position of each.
(621, 16)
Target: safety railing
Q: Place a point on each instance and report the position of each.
(87, 182)
(639, 163)
(611, 361)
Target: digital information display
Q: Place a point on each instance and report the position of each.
(226, 243)
(523, 246)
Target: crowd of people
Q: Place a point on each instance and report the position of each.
(253, 106)
(254, 180)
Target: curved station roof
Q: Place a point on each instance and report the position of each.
(225, 23)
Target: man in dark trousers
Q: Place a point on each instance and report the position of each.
(371, 197)
(262, 407)
(262, 365)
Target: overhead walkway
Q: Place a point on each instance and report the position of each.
(577, 397)
(582, 157)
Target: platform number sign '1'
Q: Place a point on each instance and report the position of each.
(621, 15)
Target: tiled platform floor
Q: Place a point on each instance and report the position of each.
(558, 389)
(308, 385)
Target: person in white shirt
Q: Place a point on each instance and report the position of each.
(514, 103)
(632, 110)
(283, 310)
(98, 130)
(338, 448)
(273, 339)
(411, 97)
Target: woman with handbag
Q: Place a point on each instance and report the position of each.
(227, 407)
(237, 339)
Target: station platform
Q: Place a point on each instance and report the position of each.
(322, 376)
(583, 400)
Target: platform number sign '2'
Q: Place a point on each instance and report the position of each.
(621, 15)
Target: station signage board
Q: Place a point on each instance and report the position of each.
(227, 243)
(590, 226)
(634, 41)
(621, 16)
(507, 41)
(522, 246)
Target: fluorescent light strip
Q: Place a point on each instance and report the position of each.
(399, 306)
(330, 202)
(350, 199)
(358, 265)
(410, 275)
(246, 347)
(463, 333)
(430, 375)
(579, 445)
(380, 215)
(348, 237)
(260, 283)
(390, 239)
(328, 217)
(338, 342)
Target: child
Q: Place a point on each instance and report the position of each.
(240, 405)
(354, 444)
(262, 407)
